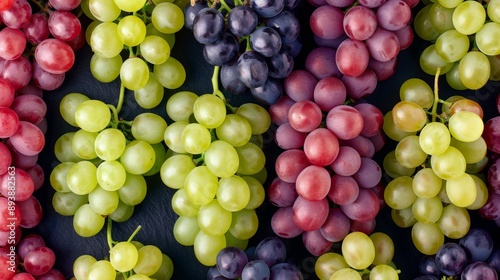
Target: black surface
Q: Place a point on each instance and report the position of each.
(155, 215)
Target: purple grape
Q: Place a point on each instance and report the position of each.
(229, 78)
(190, 12)
(494, 260)
(267, 8)
(252, 69)
(287, 25)
(320, 62)
(293, 48)
(271, 250)
(230, 262)
(242, 20)
(427, 266)
(285, 271)
(479, 271)
(266, 41)
(256, 270)
(269, 93)
(280, 65)
(426, 277)
(222, 51)
(478, 244)
(451, 259)
(214, 274)
(208, 25)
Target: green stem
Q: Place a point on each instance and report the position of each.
(215, 83)
(436, 95)
(109, 237)
(115, 115)
(134, 234)
(121, 97)
(224, 6)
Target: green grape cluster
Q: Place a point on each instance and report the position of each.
(217, 167)
(146, 30)
(362, 256)
(435, 164)
(464, 37)
(103, 164)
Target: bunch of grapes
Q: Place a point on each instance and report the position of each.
(471, 257)
(435, 164)
(217, 168)
(463, 44)
(102, 164)
(362, 256)
(37, 43)
(267, 260)
(254, 42)
(146, 30)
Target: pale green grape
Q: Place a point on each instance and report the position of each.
(110, 144)
(384, 248)
(485, 39)
(244, 224)
(122, 213)
(257, 139)
(148, 127)
(130, 5)
(427, 238)
(493, 10)
(482, 193)
(454, 222)
(131, 30)
(185, 230)
(403, 218)
(104, 10)
(87, 223)
(82, 144)
(105, 40)
(138, 157)
(222, 159)
(172, 136)
(393, 168)
(327, 263)
(440, 17)
(201, 185)
(214, 219)
(423, 26)
(418, 91)
(111, 175)
(134, 73)
(449, 165)
(134, 189)
(450, 3)
(68, 104)
(82, 265)
(171, 74)
(151, 94)
(430, 61)
(408, 152)
(81, 177)
(182, 205)
(66, 204)
(358, 250)
(92, 115)
(461, 191)
(105, 69)
(383, 272)
(209, 110)
(427, 210)
(473, 151)
(256, 115)
(84, 4)
(236, 242)
(476, 167)
(469, 17)
(474, 69)
(233, 193)
(408, 116)
(206, 247)
(261, 176)
(90, 28)
(346, 274)
(426, 184)
(103, 202)
(391, 130)
(195, 138)
(452, 45)
(167, 24)
(160, 157)
(449, 102)
(235, 130)
(58, 177)
(175, 169)
(154, 49)
(434, 138)
(179, 106)
(257, 192)
(138, 277)
(453, 78)
(149, 260)
(495, 67)
(399, 194)
(166, 269)
(252, 159)
(443, 195)
(465, 126)
(123, 256)
(169, 38)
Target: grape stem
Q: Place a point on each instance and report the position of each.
(109, 237)
(436, 95)
(114, 122)
(215, 84)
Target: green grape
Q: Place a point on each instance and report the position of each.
(427, 238)
(427, 210)
(256, 115)
(66, 204)
(175, 169)
(166, 269)
(84, 4)
(201, 185)
(494, 67)
(154, 49)
(131, 30)
(138, 277)
(82, 144)
(383, 272)
(123, 256)
(149, 260)
(104, 10)
(408, 152)
(257, 192)
(443, 195)
(214, 219)
(244, 224)
(430, 61)
(90, 28)
(195, 138)
(110, 144)
(122, 213)
(440, 17)
(151, 94)
(450, 3)
(92, 115)
(469, 17)
(235, 130)
(81, 177)
(86, 222)
(449, 165)
(418, 91)
(423, 26)
(358, 250)
(476, 167)
(105, 69)
(179, 106)
(408, 116)
(493, 10)
(485, 38)
(134, 73)
(209, 110)
(391, 130)
(482, 193)
(148, 127)
(111, 175)
(327, 263)
(393, 168)
(474, 69)
(346, 274)
(103, 202)
(68, 104)
(222, 159)
(426, 184)
(171, 74)
(384, 248)
(449, 102)
(261, 176)
(257, 139)
(453, 78)
(167, 24)
(454, 222)
(399, 194)
(473, 151)
(233, 193)
(172, 136)
(169, 38)
(182, 205)
(452, 45)
(130, 5)
(82, 265)
(206, 247)
(58, 177)
(160, 157)
(252, 159)
(236, 242)
(465, 126)
(185, 230)
(461, 191)
(403, 218)
(434, 138)
(138, 157)
(105, 40)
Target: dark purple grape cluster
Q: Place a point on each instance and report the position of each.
(471, 257)
(254, 43)
(267, 260)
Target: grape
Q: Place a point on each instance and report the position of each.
(364, 208)
(242, 20)
(313, 183)
(454, 221)
(248, 62)
(12, 44)
(209, 110)
(352, 57)
(434, 138)
(336, 226)
(326, 22)
(231, 262)
(321, 146)
(123, 256)
(208, 25)
(430, 61)
(28, 139)
(345, 273)
(408, 116)
(462, 190)
(468, 17)
(451, 259)
(255, 269)
(492, 133)
(17, 15)
(427, 238)
(206, 247)
(30, 108)
(31, 212)
(101, 270)
(64, 25)
(282, 223)
(286, 137)
(10, 122)
(478, 244)
(233, 193)
(390, 47)
(427, 210)
(450, 164)
(360, 23)
(409, 153)
(477, 270)
(222, 51)
(171, 74)
(266, 8)
(266, 41)
(426, 183)
(329, 263)
(310, 215)
(399, 194)
(39, 261)
(358, 250)
(474, 70)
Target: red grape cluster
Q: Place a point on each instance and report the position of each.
(37, 43)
